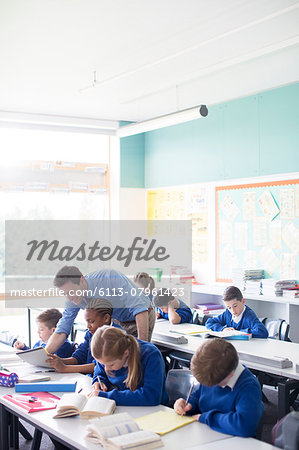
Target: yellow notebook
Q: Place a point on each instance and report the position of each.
(163, 422)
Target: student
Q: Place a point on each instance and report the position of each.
(131, 309)
(46, 326)
(237, 316)
(130, 371)
(145, 281)
(98, 312)
(171, 308)
(228, 398)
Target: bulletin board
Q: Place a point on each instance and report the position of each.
(180, 203)
(257, 227)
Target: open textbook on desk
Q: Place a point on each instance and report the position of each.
(201, 331)
(74, 404)
(121, 432)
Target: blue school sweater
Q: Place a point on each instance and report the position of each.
(65, 351)
(234, 411)
(249, 323)
(151, 388)
(183, 311)
(83, 353)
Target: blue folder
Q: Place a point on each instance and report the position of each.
(49, 386)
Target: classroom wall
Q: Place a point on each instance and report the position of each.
(132, 162)
(248, 137)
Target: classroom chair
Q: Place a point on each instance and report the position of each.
(179, 360)
(277, 328)
(195, 317)
(178, 384)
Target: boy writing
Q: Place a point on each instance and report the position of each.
(46, 326)
(171, 308)
(237, 316)
(228, 398)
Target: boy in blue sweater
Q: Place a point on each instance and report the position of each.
(228, 398)
(46, 326)
(237, 316)
(128, 370)
(98, 312)
(171, 308)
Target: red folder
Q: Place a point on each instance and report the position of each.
(39, 401)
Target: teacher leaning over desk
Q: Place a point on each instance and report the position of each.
(131, 308)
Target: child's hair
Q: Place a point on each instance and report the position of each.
(145, 280)
(163, 298)
(50, 317)
(213, 361)
(111, 343)
(232, 293)
(101, 306)
(66, 274)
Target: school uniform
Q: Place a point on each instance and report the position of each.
(234, 409)
(183, 311)
(151, 388)
(65, 351)
(83, 353)
(247, 321)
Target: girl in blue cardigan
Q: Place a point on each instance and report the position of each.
(128, 370)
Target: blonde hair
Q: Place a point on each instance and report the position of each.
(111, 343)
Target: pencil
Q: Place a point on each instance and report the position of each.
(189, 393)
(101, 386)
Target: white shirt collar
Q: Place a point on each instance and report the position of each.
(232, 381)
(238, 318)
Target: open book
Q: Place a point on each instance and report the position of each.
(74, 404)
(121, 432)
(201, 331)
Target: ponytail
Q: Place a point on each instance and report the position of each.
(110, 342)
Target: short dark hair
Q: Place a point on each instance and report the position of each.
(100, 305)
(232, 293)
(213, 361)
(163, 298)
(50, 317)
(145, 280)
(66, 274)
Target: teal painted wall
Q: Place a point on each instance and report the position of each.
(132, 161)
(256, 135)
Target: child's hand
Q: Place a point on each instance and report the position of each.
(19, 345)
(158, 316)
(181, 408)
(196, 416)
(229, 328)
(56, 363)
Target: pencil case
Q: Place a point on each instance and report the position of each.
(8, 379)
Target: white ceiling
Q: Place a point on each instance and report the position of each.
(150, 57)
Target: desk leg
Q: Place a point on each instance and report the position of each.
(4, 433)
(15, 430)
(36, 439)
(285, 397)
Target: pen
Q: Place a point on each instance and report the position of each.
(101, 386)
(189, 393)
(80, 390)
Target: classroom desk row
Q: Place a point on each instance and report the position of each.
(71, 431)
(261, 347)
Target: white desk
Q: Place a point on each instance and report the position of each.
(261, 347)
(235, 443)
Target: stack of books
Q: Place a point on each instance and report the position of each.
(210, 308)
(252, 281)
(282, 285)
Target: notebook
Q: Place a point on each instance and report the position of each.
(121, 432)
(74, 404)
(35, 401)
(35, 356)
(163, 422)
(201, 331)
